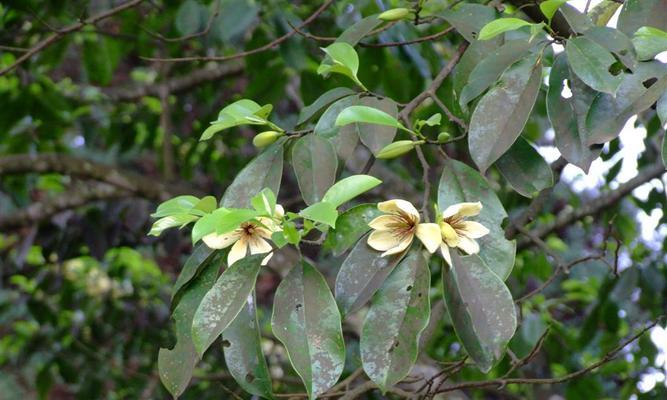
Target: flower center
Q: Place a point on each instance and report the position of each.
(248, 228)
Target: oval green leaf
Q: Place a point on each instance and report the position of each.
(348, 188)
(502, 25)
(365, 114)
(323, 101)
(481, 308)
(525, 169)
(591, 63)
(361, 275)
(399, 313)
(224, 301)
(305, 319)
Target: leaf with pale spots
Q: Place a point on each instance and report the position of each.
(306, 320)
(481, 308)
(224, 301)
(399, 313)
(361, 275)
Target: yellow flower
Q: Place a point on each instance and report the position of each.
(249, 236)
(457, 232)
(394, 231)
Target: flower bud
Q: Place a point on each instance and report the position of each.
(398, 148)
(394, 14)
(443, 137)
(266, 138)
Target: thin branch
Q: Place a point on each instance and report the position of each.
(60, 33)
(260, 49)
(501, 382)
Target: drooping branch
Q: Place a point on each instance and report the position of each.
(60, 33)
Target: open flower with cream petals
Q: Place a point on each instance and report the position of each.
(394, 231)
(251, 236)
(458, 232)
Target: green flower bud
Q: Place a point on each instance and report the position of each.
(266, 138)
(394, 14)
(443, 137)
(396, 149)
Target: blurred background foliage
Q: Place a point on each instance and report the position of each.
(84, 293)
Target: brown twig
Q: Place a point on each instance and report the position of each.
(260, 49)
(59, 33)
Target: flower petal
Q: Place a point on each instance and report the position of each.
(449, 234)
(430, 235)
(215, 241)
(462, 210)
(258, 245)
(468, 245)
(279, 212)
(267, 224)
(404, 244)
(444, 250)
(385, 222)
(383, 240)
(399, 206)
(473, 230)
(267, 258)
(238, 251)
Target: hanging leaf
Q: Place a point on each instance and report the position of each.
(578, 21)
(175, 366)
(525, 169)
(502, 25)
(502, 113)
(224, 301)
(460, 183)
(342, 59)
(241, 112)
(591, 63)
(306, 320)
(568, 115)
(638, 91)
(399, 313)
(487, 71)
(348, 188)
(315, 163)
(649, 42)
(323, 101)
(361, 275)
(350, 226)
(481, 308)
(200, 257)
(265, 171)
(243, 352)
(638, 13)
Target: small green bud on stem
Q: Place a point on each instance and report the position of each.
(394, 14)
(398, 148)
(443, 137)
(266, 138)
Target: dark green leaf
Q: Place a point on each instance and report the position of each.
(323, 101)
(175, 366)
(638, 91)
(191, 17)
(350, 226)
(344, 138)
(398, 314)
(243, 352)
(265, 171)
(491, 67)
(200, 257)
(306, 320)
(481, 308)
(502, 113)
(460, 183)
(568, 115)
(224, 301)
(591, 62)
(525, 169)
(315, 163)
(638, 13)
(468, 19)
(616, 42)
(361, 275)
